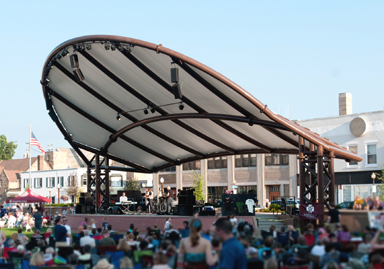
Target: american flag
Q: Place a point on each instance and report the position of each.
(34, 142)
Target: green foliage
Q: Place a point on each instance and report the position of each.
(61, 205)
(7, 149)
(274, 207)
(27, 187)
(380, 188)
(337, 207)
(132, 184)
(198, 185)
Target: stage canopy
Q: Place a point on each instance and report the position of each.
(29, 197)
(114, 96)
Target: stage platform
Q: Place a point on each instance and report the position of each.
(122, 222)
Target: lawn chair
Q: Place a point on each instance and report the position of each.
(143, 257)
(283, 239)
(116, 257)
(266, 234)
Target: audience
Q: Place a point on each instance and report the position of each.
(87, 239)
(107, 240)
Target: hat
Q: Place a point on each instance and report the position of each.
(355, 264)
(20, 248)
(103, 264)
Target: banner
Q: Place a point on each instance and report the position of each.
(311, 211)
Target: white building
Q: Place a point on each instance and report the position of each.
(362, 133)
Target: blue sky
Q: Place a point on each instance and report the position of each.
(289, 54)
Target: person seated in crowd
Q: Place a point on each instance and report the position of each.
(131, 227)
(358, 204)
(37, 259)
(49, 256)
(87, 239)
(73, 259)
(136, 233)
(143, 245)
(309, 234)
(21, 237)
(99, 231)
(155, 241)
(266, 252)
(110, 229)
(103, 264)
(368, 203)
(301, 244)
(77, 250)
(254, 255)
(171, 254)
(171, 230)
(87, 253)
(377, 204)
(344, 234)
(160, 261)
(80, 229)
(185, 225)
(126, 263)
(365, 246)
(94, 231)
(319, 248)
(336, 244)
(149, 239)
(123, 246)
(107, 240)
(131, 240)
(11, 244)
(331, 254)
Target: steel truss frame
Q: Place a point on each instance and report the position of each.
(316, 176)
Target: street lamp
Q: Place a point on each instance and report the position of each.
(373, 176)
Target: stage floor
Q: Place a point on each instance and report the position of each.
(122, 222)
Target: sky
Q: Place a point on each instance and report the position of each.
(294, 56)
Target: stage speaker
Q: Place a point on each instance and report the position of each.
(88, 201)
(129, 194)
(78, 209)
(177, 91)
(175, 210)
(116, 210)
(183, 192)
(84, 209)
(185, 210)
(207, 213)
(82, 201)
(187, 199)
(190, 192)
(90, 209)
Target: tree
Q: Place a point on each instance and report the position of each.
(7, 149)
(380, 187)
(131, 184)
(74, 189)
(27, 186)
(198, 185)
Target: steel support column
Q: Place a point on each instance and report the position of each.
(312, 177)
(320, 180)
(106, 182)
(97, 181)
(331, 170)
(302, 177)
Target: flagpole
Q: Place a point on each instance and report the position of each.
(29, 181)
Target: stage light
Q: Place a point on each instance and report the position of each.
(145, 111)
(250, 123)
(113, 47)
(58, 56)
(118, 116)
(177, 91)
(78, 75)
(181, 106)
(74, 61)
(153, 110)
(107, 45)
(89, 46)
(64, 52)
(81, 46)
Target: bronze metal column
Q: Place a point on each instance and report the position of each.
(312, 177)
(97, 181)
(302, 178)
(320, 181)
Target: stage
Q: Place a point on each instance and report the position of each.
(122, 222)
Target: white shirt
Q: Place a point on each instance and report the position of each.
(318, 251)
(87, 240)
(123, 199)
(68, 231)
(150, 196)
(250, 203)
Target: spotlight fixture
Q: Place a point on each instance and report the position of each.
(181, 106)
(153, 110)
(176, 88)
(145, 111)
(81, 46)
(89, 46)
(113, 47)
(58, 56)
(74, 61)
(118, 116)
(107, 45)
(250, 123)
(78, 75)
(64, 52)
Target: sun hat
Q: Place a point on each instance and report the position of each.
(103, 264)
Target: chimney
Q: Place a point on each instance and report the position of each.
(345, 103)
(40, 162)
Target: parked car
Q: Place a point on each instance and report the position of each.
(346, 204)
(10, 206)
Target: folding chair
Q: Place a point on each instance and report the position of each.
(116, 257)
(283, 239)
(266, 234)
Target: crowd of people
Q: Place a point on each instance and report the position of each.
(368, 203)
(226, 243)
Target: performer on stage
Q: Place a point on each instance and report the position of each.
(123, 198)
(149, 196)
(170, 199)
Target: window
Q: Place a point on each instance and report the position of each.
(38, 183)
(26, 183)
(69, 181)
(371, 154)
(192, 166)
(353, 148)
(169, 169)
(245, 160)
(217, 163)
(247, 189)
(223, 162)
(50, 182)
(274, 188)
(253, 160)
(84, 179)
(215, 193)
(60, 181)
(238, 162)
(276, 159)
(116, 181)
(211, 164)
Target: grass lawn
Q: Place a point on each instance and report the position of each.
(9, 231)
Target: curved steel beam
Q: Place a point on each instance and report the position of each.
(209, 116)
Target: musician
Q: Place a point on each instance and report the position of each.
(149, 196)
(123, 198)
(170, 198)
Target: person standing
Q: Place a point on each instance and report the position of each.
(38, 220)
(149, 195)
(232, 252)
(170, 199)
(61, 233)
(68, 230)
(333, 218)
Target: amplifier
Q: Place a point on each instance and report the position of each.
(88, 201)
(183, 192)
(82, 201)
(207, 213)
(175, 210)
(187, 199)
(185, 210)
(79, 209)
